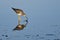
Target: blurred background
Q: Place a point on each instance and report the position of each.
(43, 15)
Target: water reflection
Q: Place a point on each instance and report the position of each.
(19, 27)
(1, 39)
(5, 35)
(56, 39)
(27, 36)
(50, 34)
(55, 25)
(48, 39)
(42, 37)
(35, 37)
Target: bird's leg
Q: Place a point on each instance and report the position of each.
(26, 19)
(19, 19)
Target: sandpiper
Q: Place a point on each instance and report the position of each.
(20, 12)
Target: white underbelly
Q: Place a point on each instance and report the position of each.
(19, 14)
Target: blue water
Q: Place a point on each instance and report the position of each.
(44, 20)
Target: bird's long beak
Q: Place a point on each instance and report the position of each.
(14, 9)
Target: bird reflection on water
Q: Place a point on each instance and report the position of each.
(20, 27)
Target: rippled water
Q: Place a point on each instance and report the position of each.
(9, 34)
